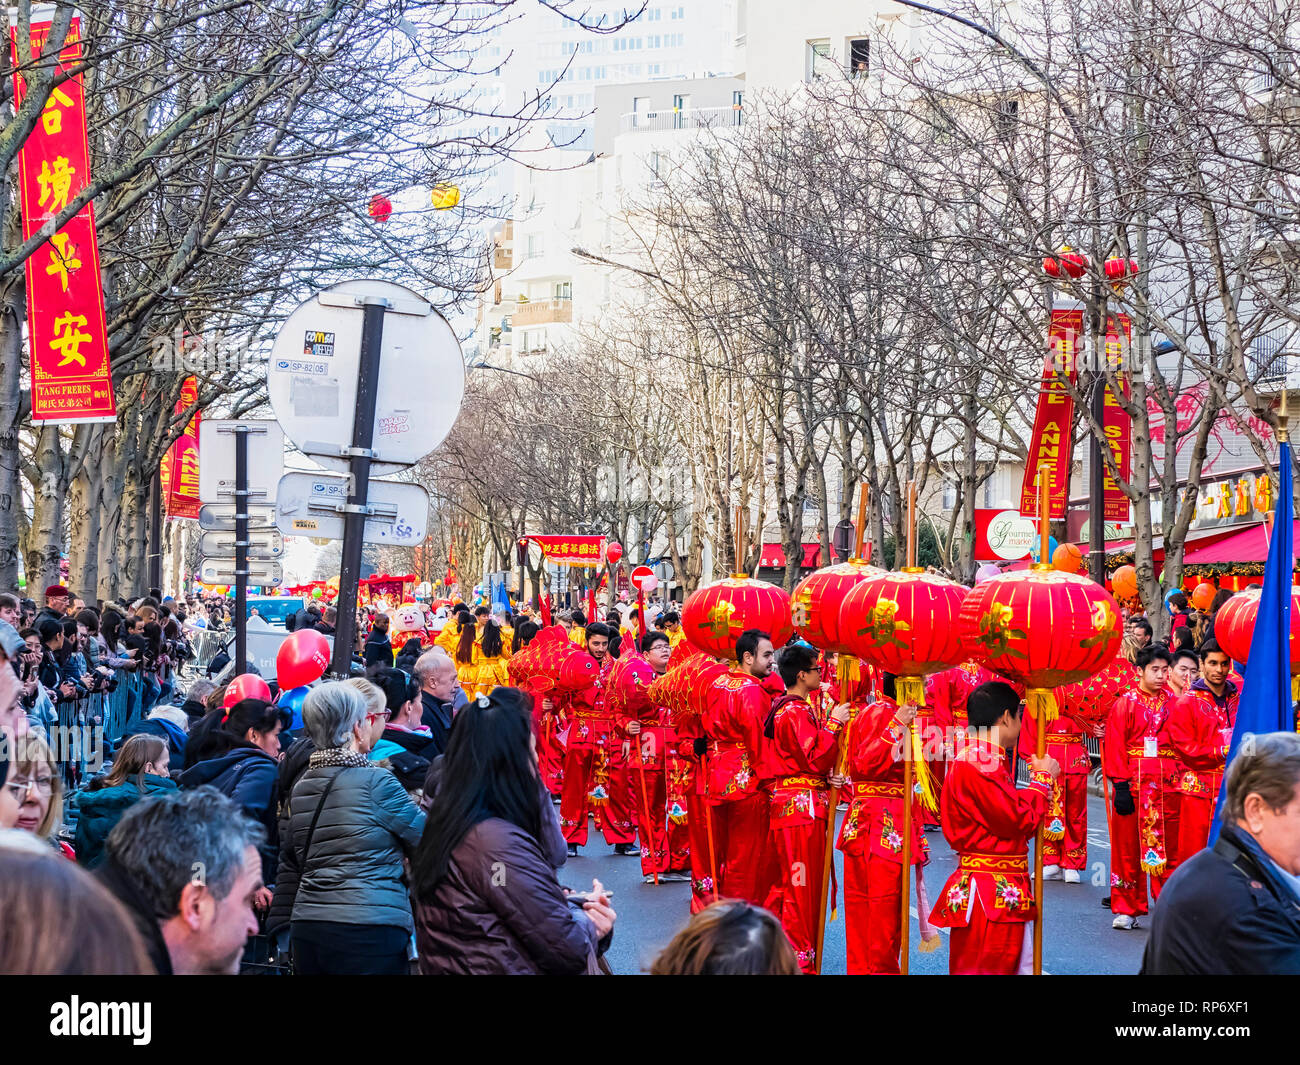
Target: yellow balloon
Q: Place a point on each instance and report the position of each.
(445, 196)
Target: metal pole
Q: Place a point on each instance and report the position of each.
(241, 548)
(155, 532)
(1096, 485)
(354, 519)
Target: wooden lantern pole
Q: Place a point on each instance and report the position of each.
(1040, 743)
(841, 761)
(738, 527)
(905, 916)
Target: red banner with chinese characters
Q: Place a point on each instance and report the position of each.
(71, 380)
(180, 466)
(571, 550)
(1050, 445)
(1115, 420)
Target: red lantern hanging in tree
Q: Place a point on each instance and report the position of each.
(714, 616)
(381, 207)
(1042, 628)
(1051, 267)
(1074, 263)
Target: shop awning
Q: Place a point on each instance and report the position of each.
(1248, 545)
(773, 556)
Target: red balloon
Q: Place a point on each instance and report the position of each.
(614, 552)
(247, 686)
(302, 658)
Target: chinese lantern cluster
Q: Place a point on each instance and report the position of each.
(815, 612)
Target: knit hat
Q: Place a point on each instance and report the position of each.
(57, 589)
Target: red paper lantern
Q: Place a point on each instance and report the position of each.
(1051, 267)
(819, 597)
(381, 207)
(1074, 263)
(613, 552)
(1234, 627)
(1042, 628)
(906, 624)
(714, 616)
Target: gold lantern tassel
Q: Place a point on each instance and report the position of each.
(912, 690)
(1295, 691)
(1041, 701)
(848, 672)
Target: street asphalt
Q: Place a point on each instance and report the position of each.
(1077, 936)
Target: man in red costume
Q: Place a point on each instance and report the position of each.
(595, 772)
(734, 716)
(1200, 732)
(1138, 758)
(1065, 836)
(647, 727)
(988, 821)
(871, 836)
(800, 752)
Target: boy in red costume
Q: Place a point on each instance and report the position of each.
(800, 752)
(988, 822)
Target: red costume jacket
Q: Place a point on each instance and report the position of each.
(733, 720)
(1200, 732)
(796, 759)
(630, 702)
(874, 823)
(1064, 743)
(988, 821)
(588, 720)
(1137, 744)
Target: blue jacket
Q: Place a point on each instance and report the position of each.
(173, 735)
(100, 809)
(1226, 911)
(248, 776)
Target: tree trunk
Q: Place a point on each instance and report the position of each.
(45, 539)
(11, 494)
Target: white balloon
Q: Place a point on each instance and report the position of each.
(650, 583)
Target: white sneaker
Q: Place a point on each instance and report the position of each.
(1071, 876)
(1123, 921)
(1051, 872)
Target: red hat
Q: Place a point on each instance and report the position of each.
(57, 589)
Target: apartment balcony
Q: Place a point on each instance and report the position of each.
(690, 118)
(502, 259)
(542, 312)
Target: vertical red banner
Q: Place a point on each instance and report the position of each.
(71, 379)
(1054, 419)
(180, 466)
(1115, 420)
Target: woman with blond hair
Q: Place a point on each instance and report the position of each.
(139, 771)
(38, 785)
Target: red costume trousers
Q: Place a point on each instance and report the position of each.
(614, 815)
(744, 850)
(1072, 851)
(1195, 812)
(984, 947)
(654, 832)
(1128, 883)
(704, 858)
(796, 897)
(680, 781)
(873, 900)
(550, 755)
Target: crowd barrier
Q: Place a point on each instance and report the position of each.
(89, 727)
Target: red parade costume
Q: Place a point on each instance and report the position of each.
(1200, 732)
(1065, 836)
(655, 740)
(946, 693)
(988, 822)
(872, 842)
(703, 858)
(1137, 751)
(733, 720)
(550, 752)
(595, 772)
(799, 753)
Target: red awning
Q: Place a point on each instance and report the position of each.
(1248, 545)
(773, 556)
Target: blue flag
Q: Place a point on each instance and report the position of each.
(1266, 698)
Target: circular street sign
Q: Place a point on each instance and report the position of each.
(313, 370)
(1011, 536)
(639, 576)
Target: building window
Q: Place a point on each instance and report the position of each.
(949, 500)
(679, 12)
(737, 108)
(859, 56)
(562, 290)
(1008, 114)
(681, 104)
(818, 62)
(535, 245)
